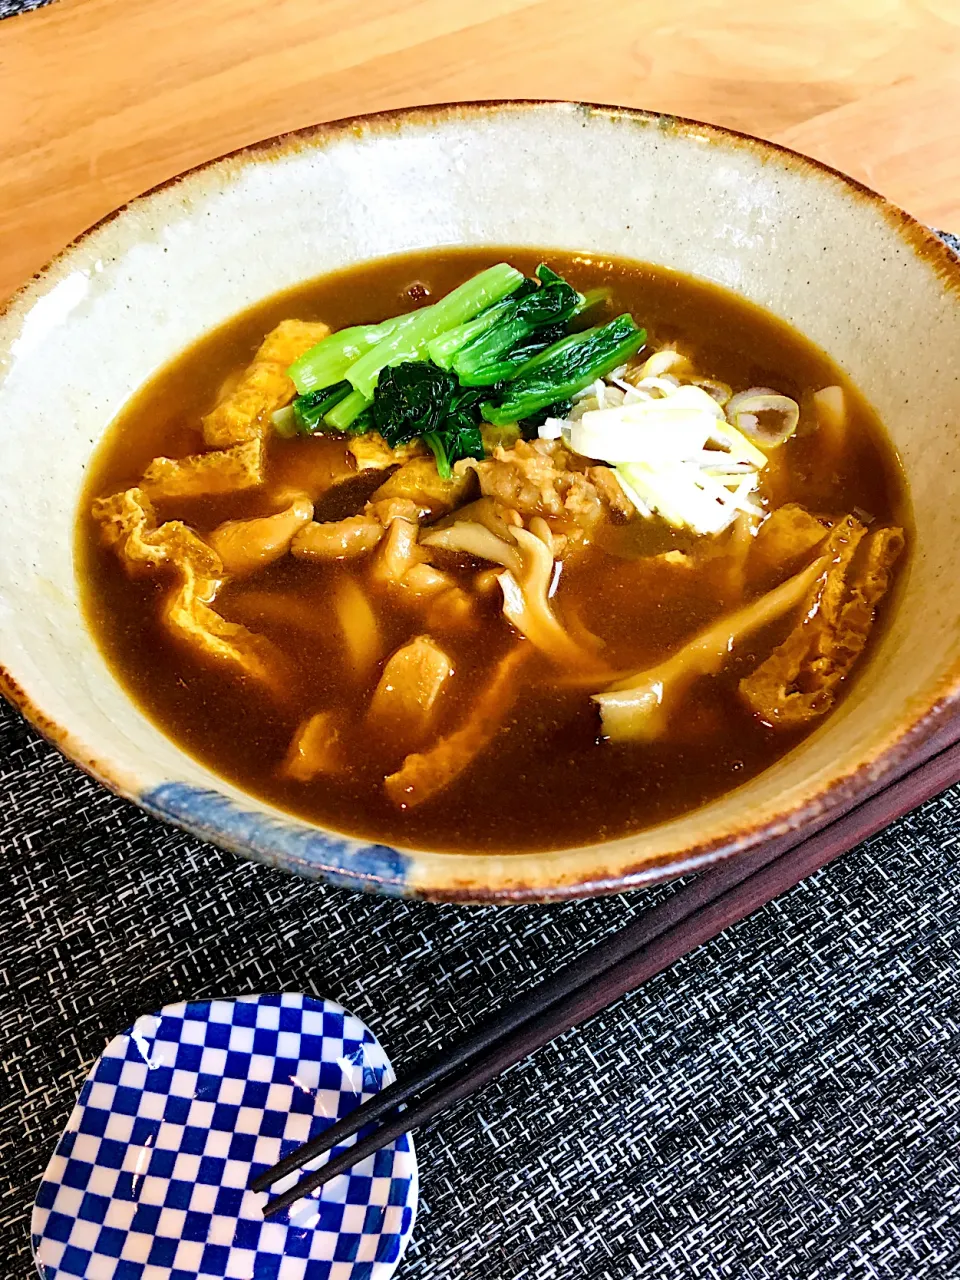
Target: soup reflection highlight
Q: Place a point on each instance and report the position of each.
(492, 550)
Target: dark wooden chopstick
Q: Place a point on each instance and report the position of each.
(644, 948)
(502, 1022)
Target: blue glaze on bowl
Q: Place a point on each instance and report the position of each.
(281, 842)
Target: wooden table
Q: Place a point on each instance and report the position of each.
(101, 99)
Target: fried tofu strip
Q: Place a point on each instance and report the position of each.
(639, 707)
(243, 414)
(800, 680)
(422, 776)
(221, 471)
(372, 453)
(419, 483)
(785, 537)
(129, 525)
(236, 428)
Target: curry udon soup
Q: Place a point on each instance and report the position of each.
(492, 550)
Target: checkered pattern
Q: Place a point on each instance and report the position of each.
(149, 1180)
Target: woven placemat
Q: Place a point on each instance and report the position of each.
(785, 1102)
(9, 7)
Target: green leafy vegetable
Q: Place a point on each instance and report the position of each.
(451, 444)
(327, 362)
(309, 409)
(495, 352)
(550, 305)
(547, 275)
(409, 342)
(411, 399)
(459, 435)
(512, 361)
(443, 348)
(591, 298)
(566, 368)
(418, 399)
(435, 443)
(342, 416)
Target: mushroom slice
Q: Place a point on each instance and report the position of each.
(404, 704)
(316, 749)
(526, 603)
(469, 537)
(245, 546)
(337, 539)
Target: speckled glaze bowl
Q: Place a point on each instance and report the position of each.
(857, 276)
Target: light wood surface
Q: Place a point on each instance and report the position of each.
(101, 99)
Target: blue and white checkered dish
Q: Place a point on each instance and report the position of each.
(149, 1180)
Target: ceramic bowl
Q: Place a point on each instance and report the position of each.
(866, 283)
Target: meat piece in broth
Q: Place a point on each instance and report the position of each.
(200, 474)
(611, 492)
(316, 749)
(398, 554)
(244, 412)
(244, 546)
(404, 705)
(535, 479)
(450, 610)
(800, 680)
(128, 523)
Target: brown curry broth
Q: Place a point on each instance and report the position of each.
(548, 781)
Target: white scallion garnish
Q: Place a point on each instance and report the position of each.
(671, 448)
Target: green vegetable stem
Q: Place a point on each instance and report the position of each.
(409, 342)
(566, 368)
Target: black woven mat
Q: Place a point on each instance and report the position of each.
(785, 1102)
(9, 7)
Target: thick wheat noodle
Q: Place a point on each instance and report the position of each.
(638, 708)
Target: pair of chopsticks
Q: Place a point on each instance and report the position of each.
(643, 948)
